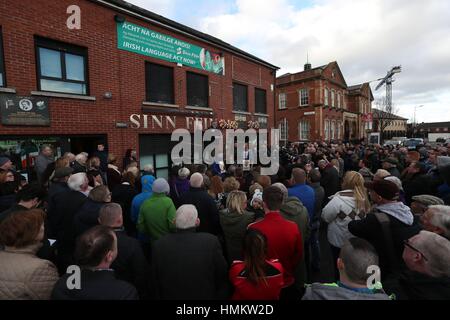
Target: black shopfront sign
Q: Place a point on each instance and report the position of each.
(24, 111)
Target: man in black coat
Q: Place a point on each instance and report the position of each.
(387, 226)
(187, 265)
(67, 204)
(417, 182)
(329, 180)
(205, 204)
(130, 264)
(95, 252)
(427, 257)
(319, 194)
(57, 186)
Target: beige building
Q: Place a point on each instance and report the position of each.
(388, 124)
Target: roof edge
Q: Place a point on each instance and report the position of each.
(144, 14)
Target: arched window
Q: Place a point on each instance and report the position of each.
(326, 97)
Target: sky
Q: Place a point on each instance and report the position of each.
(366, 37)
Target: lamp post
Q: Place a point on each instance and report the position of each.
(415, 124)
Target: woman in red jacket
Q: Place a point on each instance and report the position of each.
(256, 278)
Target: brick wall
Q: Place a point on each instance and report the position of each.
(110, 69)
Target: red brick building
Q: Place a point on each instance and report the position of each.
(317, 104)
(127, 77)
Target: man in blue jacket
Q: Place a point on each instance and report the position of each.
(302, 191)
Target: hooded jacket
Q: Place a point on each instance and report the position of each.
(147, 183)
(333, 291)
(401, 226)
(234, 226)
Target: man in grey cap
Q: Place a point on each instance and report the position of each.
(421, 203)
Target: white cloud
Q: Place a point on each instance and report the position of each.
(366, 37)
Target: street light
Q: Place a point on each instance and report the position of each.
(415, 124)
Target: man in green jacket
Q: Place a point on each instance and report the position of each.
(157, 213)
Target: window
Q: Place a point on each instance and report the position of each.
(332, 98)
(304, 97)
(338, 130)
(61, 67)
(333, 130)
(240, 101)
(2, 67)
(284, 130)
(197, 90)
(326, 97)
(327, 130)
(159, 83)
(260, 101)
(339, 100)
(282, 101)
(303, 130)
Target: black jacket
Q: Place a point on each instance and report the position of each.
(329, 181)
(95, 285)
(417, 185)
(55, 189)
(371, 230)
(319, 196)
(67, 204)
(131, 264)
(206, 207)
(411, 285)
(123, 194)
(189, 266)
(87, 216)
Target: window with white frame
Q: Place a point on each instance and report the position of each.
(327, 130)
(332, 98)
(326, 97)
(282, 101)
(304, 97)
(303, 130)
(339, 100)
(338, 130)
(332, 130)
(283, 129)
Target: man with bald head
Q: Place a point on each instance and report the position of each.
(302, 191)
(130, 264)
(205, 204)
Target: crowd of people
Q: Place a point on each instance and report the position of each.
(221, 232)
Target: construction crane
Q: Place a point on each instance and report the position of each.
(388, 81)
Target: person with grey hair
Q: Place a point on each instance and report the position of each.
(293, 210)
(427, 257)
(189, 265)
(44, 159)
(79, 165)
(205, 204)
(437, 219)
(148, 170)
(356, 257)
(157, 213)
(130, 264)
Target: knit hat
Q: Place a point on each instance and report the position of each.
(428, 200)
(161, 186)
(257, 195)
(4, 160)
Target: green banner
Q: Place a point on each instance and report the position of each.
(137, 39)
